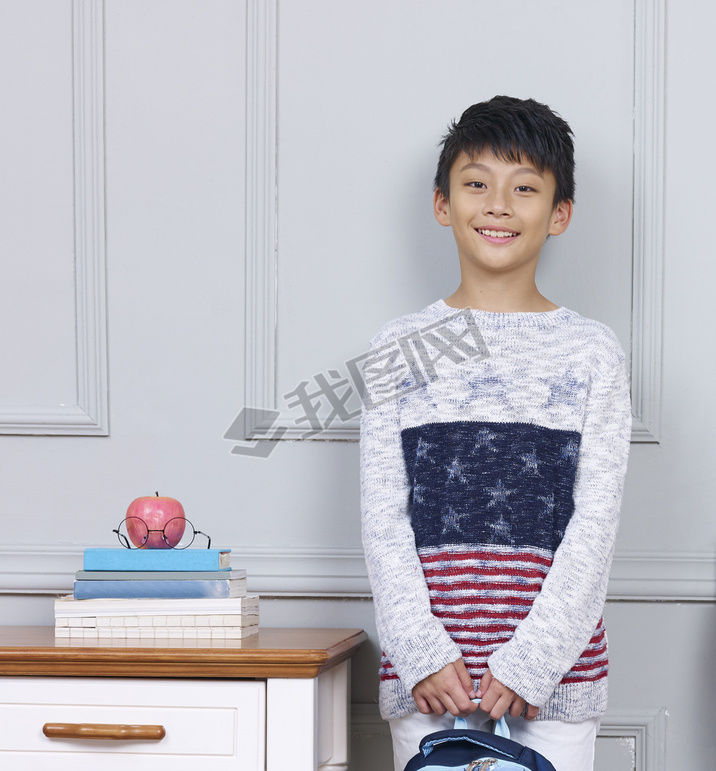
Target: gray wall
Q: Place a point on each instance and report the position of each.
(210, 202)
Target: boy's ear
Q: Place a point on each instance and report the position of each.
(561, 217)
(441, 208)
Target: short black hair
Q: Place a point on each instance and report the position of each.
(513, 129)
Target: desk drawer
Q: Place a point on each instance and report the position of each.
(209, 724)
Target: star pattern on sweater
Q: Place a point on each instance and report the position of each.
(451, 520)
(499, 495)
(455, 471)
(410, 390)
(485, 439)
(419, 491)
(501, 528)
(422, 451)
(570, 452)
(493, 386)
(531, 463)
(565, 391)
(544, 520)
(547, 505)
(487, 386)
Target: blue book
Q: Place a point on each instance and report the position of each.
(156, 575)
(157, 559)
(216, 589)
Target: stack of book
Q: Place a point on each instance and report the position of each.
(148, 593)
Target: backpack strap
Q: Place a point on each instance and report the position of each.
(500, 728)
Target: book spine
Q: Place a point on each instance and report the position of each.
(155, 559)
(229, 620)
(69, 607)
(158, 575)
(151, 633)
(215, 589)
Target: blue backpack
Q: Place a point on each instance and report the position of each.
(465, 749)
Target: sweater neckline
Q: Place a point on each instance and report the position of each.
(498, 319)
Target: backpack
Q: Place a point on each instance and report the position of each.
(466, 749)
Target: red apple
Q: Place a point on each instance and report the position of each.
(155, 512)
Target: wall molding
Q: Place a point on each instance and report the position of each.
(261, 206)
(89, 415)
(648, 245)
(316, 572)
(663, 577)
(645, 728)
(262, 213)
(296, 572)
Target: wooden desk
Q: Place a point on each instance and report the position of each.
(277, 700)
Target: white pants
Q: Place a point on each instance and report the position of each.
(568, 746)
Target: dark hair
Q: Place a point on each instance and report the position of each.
(513, 129)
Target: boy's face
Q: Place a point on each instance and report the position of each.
(501, 214)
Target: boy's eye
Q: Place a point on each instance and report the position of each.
(525, 189)
(475, 184)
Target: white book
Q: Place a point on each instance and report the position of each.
(151, 633)
(139, 623)
(71, 608)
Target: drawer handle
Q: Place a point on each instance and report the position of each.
(103, 731)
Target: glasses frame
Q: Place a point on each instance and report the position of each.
(127, 544)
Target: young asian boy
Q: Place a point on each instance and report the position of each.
(491, 489)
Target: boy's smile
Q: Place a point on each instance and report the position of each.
(501, 214)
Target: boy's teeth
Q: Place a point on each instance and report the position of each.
(496, 233)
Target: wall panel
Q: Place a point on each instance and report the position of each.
(53, 314)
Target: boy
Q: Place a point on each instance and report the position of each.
(491, 490)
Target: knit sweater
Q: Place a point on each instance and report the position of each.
(493, 454)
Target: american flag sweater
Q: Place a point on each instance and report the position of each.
(493, 454)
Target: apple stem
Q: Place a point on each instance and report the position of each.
(157, 494)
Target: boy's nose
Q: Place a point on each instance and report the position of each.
(498, 204)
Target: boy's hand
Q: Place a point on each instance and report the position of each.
(448, 690)
(498, 699)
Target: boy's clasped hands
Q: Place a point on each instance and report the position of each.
(451, 690)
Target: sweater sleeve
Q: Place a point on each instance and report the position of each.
(550, 639)
(414, 640)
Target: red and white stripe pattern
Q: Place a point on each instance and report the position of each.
(482, 593)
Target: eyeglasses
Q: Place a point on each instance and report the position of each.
(177, 533)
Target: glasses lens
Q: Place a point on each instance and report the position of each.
(135, 530)
(179, 533)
